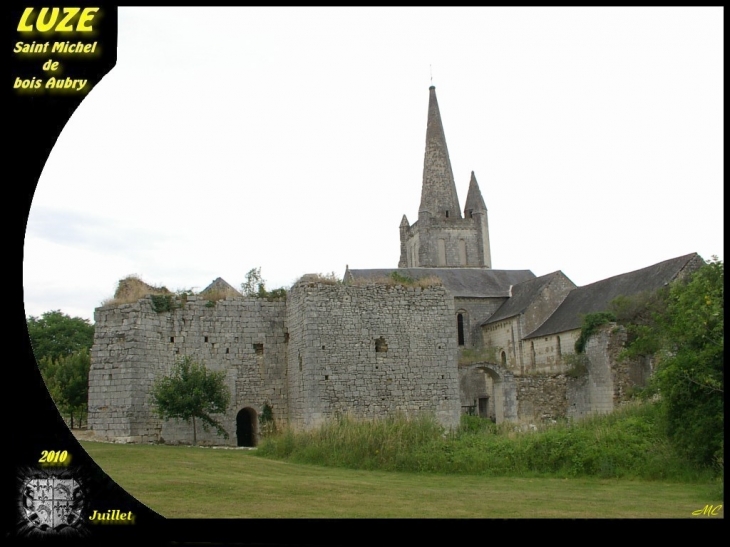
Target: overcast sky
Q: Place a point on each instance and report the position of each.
(292, 139)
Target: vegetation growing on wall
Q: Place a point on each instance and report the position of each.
(467, 356)
(397, 279)
(637, 314)
(131, 289)
(162, 302)
(591, 322)
(325, 279)
(267, 424)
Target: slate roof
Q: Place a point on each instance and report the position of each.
(596, 296)
(522, 296)
(460, 282)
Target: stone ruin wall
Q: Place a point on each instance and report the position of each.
(542, 397)
(371, 351)
(607, 384)
(133, 344)
(329, 349)
(554, 392)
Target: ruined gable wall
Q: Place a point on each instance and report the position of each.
(555, 391)
(134, 344)
(610, 380)
(334, 365)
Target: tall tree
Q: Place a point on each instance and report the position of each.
(686, 333)
(67, 380)
(192, 391)
(55, 334)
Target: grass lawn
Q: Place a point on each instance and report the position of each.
(187, 482)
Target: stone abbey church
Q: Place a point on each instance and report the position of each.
(443, 333)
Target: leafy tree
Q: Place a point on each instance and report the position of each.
(192, 391)
(254, 285)
(686, 334)
(67, 380)
(55, 334)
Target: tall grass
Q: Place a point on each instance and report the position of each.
(346, 442)
(629, 443)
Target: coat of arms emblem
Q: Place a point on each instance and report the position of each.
(52, 503)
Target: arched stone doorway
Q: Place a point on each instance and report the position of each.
(501, 392)
(246, 427)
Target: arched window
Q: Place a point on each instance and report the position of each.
(460, 328)
(504, 359)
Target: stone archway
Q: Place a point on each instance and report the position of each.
(246, 427)
(503, 392)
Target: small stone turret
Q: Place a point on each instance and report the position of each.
(404, 225)
(476, 209)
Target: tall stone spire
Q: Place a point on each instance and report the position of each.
(438, 194)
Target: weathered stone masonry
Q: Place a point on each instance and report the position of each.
(133, 344)
(371, 351)
(328, 350)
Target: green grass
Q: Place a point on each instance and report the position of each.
(629, 443)
(187, 482)
(615, 466)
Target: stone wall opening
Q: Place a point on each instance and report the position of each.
(246, 427)
(497, 397)
(483, 406)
